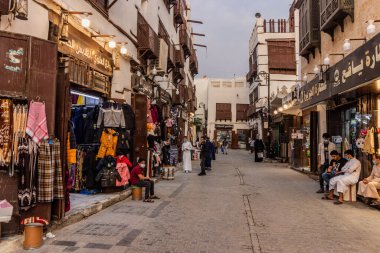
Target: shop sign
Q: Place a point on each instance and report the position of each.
(337, 139)
(313, 92)
(218, 126)
(359, 67)
(86, 49)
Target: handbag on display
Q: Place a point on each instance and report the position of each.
(369, 142)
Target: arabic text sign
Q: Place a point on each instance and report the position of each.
(361, 66)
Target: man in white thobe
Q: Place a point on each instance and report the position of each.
(186, 150)
(370, 186)
(348, 176)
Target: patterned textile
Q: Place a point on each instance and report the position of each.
(36, 126)
(5, 132)
(34, 220)
(50, 182)
(58, 192)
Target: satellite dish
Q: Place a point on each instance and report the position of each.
(258, 15)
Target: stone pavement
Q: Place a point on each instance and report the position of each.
(240, 206)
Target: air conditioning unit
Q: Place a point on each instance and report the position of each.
(162, 62)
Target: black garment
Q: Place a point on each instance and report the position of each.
(204, 156)
(108, 177)
(152, 139)
(149, 187)
(107, 161)
(166, 154)
(73, 140)
(89, 168)
(123, 143)
(129, 116)
(91, 132)
(203, 165)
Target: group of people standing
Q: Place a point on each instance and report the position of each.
(337, 174)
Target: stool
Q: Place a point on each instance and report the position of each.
(33, 236)
(350, 194)
(136, 193)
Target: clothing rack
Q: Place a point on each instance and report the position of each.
(88, 145)
(14, 97)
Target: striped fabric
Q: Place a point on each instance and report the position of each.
(50, 182)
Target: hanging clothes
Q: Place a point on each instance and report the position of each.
(36, 126)
(89, 167)
(107, 172)
(27, 157)
(122, 164)
(5, 132)
(123, 143)
(49, 170)
(20, 115)
(129, 117)
(108, 143)
(91, 131)
(111, 118)
(369, 142)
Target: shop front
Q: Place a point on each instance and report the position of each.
(353, 111)
(28, 94)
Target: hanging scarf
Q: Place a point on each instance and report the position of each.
(5, 132)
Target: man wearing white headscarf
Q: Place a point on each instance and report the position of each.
(186, 150)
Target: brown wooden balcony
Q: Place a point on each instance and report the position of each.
(179, 74)
(194, 63)
(252, 73)
(179, 12)
(184, 40)
(149, 44)
(179, 58)
(333, 13)
(178, 99)
(310, 36)
(171, 56)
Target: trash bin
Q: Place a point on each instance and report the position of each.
(33, 233)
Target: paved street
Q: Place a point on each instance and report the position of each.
(238, 207)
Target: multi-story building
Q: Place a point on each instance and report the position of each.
(227, 105)
(272, 69)
(125, 52)
(339, 45)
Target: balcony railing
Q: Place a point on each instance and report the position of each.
(310, 37)
(279, 26)
(179, 12)
(333, 13)
(184, 40)
(149, 44)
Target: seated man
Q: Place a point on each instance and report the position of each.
(369, 187)
(348, 176)
(138, 179)
(336, 165)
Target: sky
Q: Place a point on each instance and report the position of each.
(228, 25)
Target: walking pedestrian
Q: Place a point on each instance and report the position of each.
(259, 150)
(204, 154)
(210, 148)
(225, 146)
(186, 148)
(252, 145)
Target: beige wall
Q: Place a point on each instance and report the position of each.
(364, 11)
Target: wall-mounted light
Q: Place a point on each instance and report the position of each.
(280, 109)
(22, 9)
(326, 60)
(316, 69)
(85, 21)
(177, 91)
(371, 28)
(154, 71)
(64, 35)
(123, 49)
(111, 44)
(347, 43)
(286, 106)
(275, 112)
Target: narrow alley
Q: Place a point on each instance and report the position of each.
(240, 206)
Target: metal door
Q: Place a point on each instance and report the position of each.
(139, 104)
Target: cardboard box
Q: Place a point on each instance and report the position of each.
(6, 210)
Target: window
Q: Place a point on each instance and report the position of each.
(241, 112)
(215, 84)
(223, 111)
(227, 84)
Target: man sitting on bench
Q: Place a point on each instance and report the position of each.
(138, 179)
(344, 179)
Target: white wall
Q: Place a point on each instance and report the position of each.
(201, 85)
(232, 95)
